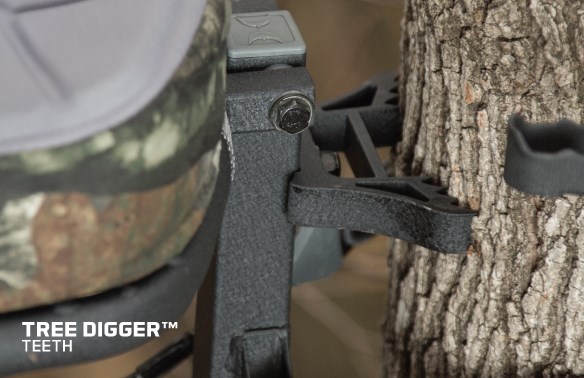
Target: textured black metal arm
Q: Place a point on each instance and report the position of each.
(375, 103)
(408, 208)
(545, 159)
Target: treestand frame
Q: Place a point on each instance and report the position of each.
(278, 181)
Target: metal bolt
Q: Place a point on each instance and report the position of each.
(331, 162)
(293, 112)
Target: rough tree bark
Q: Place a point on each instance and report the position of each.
(514, 305)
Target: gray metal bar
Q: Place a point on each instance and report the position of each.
(318, 253)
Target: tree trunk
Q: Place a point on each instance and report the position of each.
(514, 305)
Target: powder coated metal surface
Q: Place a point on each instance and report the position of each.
(545, 159)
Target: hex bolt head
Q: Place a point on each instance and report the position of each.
(331, 162)
(293, 112)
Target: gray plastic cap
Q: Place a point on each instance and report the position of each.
(262, 34)
(72, 68)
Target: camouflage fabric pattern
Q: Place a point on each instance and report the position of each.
(83, 218)
(68, 245)
(164, 140)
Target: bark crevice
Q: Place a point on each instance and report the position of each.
(513, 305)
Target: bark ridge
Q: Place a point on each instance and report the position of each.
(514, 305)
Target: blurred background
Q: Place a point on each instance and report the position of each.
(335, 321)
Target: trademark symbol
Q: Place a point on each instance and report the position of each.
(169, 325)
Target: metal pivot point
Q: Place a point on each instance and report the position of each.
(407, 208)
(293, 112)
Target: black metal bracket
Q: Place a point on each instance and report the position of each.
(261, 354)
(545, 159)
(408, 208)
(247, 289)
